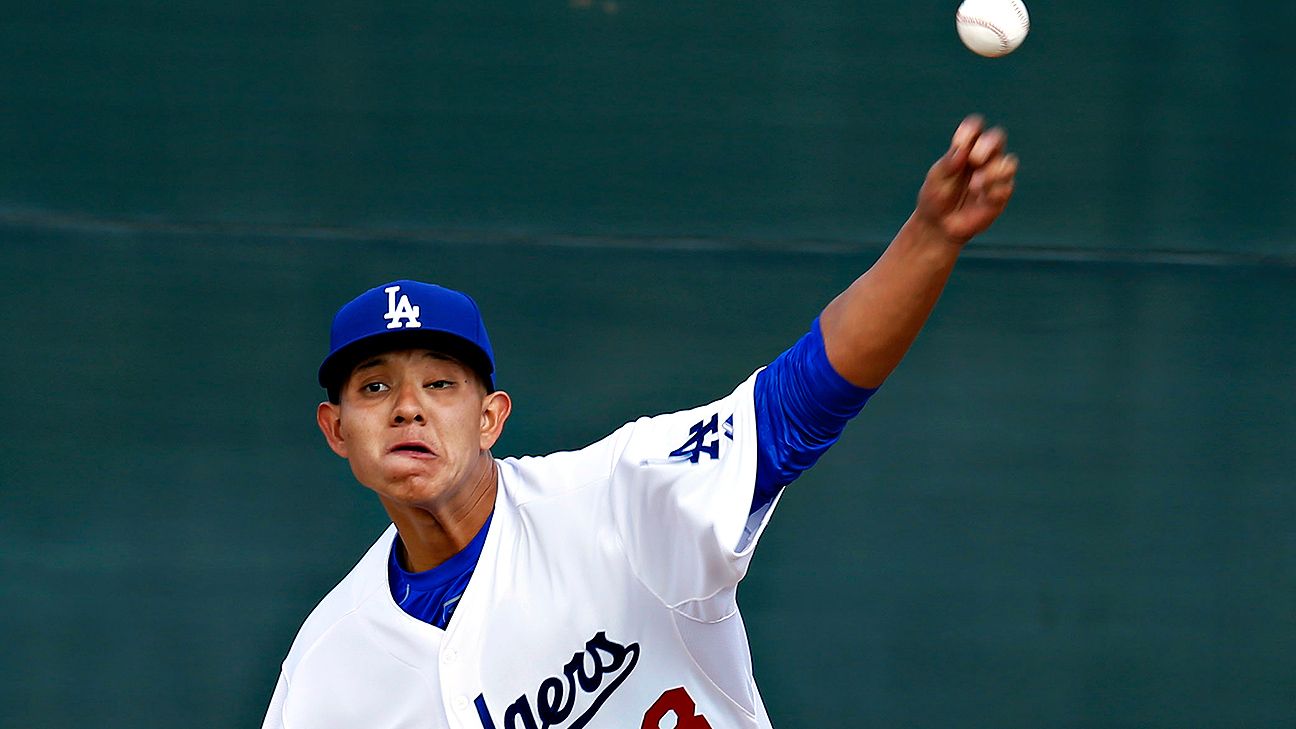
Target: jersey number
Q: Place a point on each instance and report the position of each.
(678, 702)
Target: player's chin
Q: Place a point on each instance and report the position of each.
(412, 490)
(417, 476)
(407, 480)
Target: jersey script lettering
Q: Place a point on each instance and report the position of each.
(556, 698)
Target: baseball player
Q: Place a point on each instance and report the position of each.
(591, 588)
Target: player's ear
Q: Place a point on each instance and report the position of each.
(329, 417)
(496, 407)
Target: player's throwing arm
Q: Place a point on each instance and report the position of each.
(870, 325)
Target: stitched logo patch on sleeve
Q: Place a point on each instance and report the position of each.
(700, 440)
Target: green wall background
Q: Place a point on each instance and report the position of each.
(1072, 506)
(1150, 125)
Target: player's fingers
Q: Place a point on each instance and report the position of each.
(999, 180)
(961, 144)
(1005, 168)
(998, 194)
(994, 183)
(989, 145)
(968, 131)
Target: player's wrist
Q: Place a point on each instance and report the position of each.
(928, 230)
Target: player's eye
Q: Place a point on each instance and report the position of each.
(439, 384)
(375, 387)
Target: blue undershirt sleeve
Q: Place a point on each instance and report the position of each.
(802, 405)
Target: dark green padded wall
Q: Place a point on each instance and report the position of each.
(1143, 125)
(1071, 507)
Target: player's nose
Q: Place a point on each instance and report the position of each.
(408, 407)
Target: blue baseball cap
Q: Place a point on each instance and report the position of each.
(404, 314)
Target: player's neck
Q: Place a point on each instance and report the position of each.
(430, 537)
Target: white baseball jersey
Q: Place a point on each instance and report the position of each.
(604, 598)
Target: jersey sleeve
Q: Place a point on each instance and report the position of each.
(802, 405)
(681, 490)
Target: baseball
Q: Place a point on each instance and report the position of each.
(992, 27)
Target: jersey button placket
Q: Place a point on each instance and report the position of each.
(451, 681)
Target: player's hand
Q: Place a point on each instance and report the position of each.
(968, 187)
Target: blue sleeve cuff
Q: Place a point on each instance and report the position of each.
(802, 406)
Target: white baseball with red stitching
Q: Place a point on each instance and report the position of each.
(992, 27)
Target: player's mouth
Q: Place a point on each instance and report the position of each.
(413, 449)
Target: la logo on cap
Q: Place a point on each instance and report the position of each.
(402, 310)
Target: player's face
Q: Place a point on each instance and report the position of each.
(415, 426)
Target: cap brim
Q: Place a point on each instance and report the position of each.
(338, 365)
